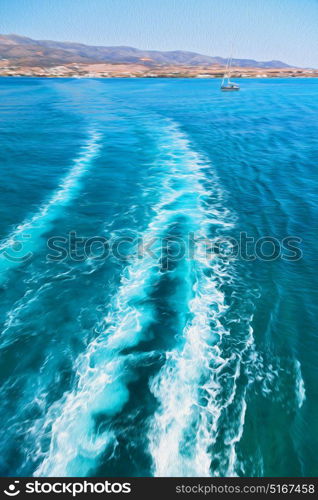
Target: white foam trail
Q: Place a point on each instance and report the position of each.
(300, 385)
(232, 462)
(184, 428)
(102, 378)
(189, 386)
(28, 233)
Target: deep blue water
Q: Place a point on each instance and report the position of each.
(161, 351)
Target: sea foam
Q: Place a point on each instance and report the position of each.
(102, 381)
(191, 369)
(24, 239)
(188, 388)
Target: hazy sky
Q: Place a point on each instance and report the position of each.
(259, 29)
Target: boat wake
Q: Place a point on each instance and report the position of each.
(201, 388)
(23, 240)
(101, 376)
(198, 381)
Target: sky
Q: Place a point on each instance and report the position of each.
(286, 30)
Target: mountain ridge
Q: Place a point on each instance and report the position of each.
(22, 51)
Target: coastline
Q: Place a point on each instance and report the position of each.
(102, 70)
(145, 77)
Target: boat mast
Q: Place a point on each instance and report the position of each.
(226, 70)
(229, 72)
(230, 62)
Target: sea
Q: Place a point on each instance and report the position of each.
(158, 277)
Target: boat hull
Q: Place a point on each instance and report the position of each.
(230, 89)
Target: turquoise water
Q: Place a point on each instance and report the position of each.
(152, 354)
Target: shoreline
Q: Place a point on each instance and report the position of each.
(167, 77)
(108, 70)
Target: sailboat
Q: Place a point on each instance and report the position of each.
(226, 84)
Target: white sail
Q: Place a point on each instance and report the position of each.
(226, 83)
